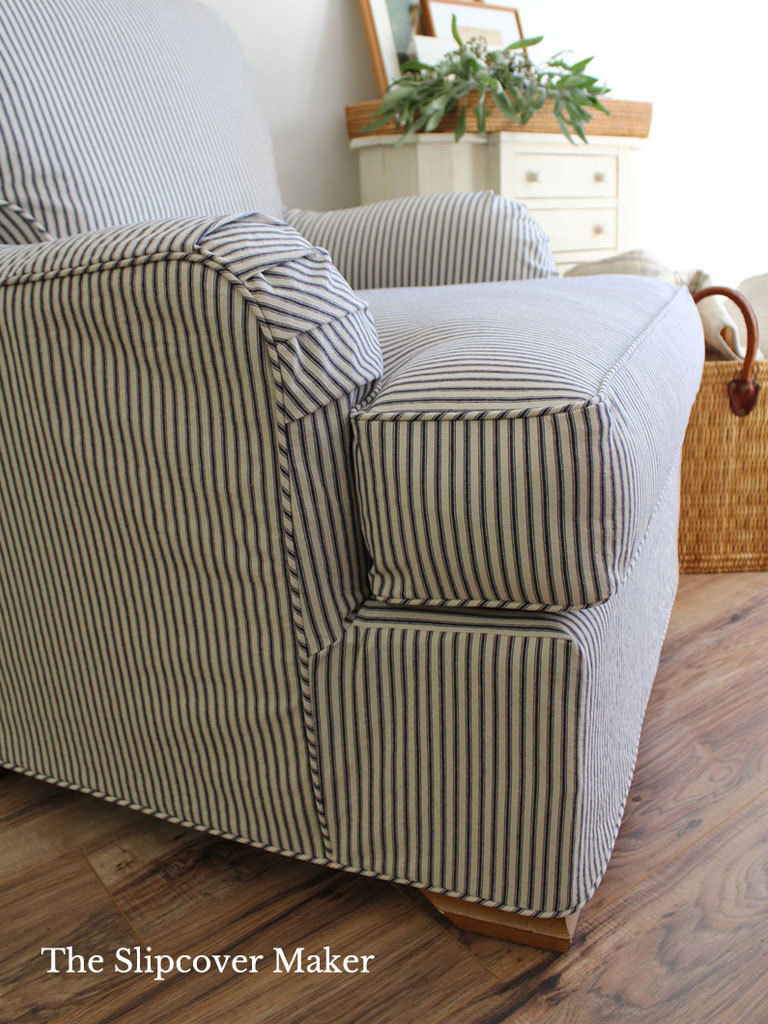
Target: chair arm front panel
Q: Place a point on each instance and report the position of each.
(170, 394)
(489, 755)
(450, 238)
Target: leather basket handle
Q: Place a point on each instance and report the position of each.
(743, 390)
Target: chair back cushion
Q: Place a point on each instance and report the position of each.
(120, 111)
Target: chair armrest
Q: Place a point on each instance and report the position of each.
(222, 345)
(451, 238)
(291, 287)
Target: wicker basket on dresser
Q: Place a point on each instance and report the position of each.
(585, 196)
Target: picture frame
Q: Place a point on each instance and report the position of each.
(499, 25)
(390, 28)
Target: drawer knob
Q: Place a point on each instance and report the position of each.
(533, 176)
(599, 176)
(598, 229)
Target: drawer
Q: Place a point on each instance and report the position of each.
(574, 230)
(561, 175)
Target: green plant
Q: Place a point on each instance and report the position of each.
(470, 75)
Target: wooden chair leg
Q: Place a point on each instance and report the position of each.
(555, 933)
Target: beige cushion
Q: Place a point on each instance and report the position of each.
(756, 290)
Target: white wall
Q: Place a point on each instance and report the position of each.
(309, 59)
(702, 64)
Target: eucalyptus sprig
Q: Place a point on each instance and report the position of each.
(472, 74)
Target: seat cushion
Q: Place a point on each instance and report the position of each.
(119, 111)
(521, 437)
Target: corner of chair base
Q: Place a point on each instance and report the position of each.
(553, 933)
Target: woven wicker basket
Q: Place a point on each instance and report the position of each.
(724, 497)
(625, 118)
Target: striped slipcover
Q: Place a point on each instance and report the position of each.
(516, 448)
(448, 238)
(117, 111)
(177, 530)
(191, 623)
(488, 755)
(185, 626)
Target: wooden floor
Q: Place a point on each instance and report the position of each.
(677, 932)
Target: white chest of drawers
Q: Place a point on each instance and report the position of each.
(585, 196)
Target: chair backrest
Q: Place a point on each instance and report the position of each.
(120, 111)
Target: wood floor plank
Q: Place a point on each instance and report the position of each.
(60, 904)
(40, 822)
(688, 945)
(420, 973)
(685, 947)
(716, 635)
(171, 881)
(702, 752)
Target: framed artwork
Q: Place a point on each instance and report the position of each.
(498, 25)
(391, 27)
(401, 30)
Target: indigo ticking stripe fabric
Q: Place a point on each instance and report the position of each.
(489, 756)
(165, 567)
(262, 578)
(452, 238)
(115, 112)
(185, 622)
(515, 450)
